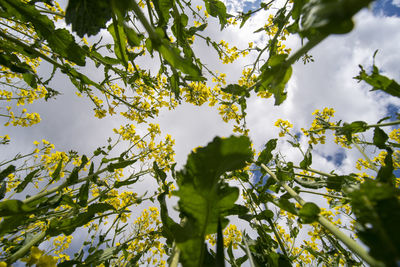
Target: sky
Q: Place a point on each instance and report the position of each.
(68, 121)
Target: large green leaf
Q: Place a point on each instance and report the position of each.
(88, 16)
(204, 196)
(349, 129)
(217, 8)
(59, 40)
(309, 212)
(274, 77)
(162, 8)
(377, 208)
(380, 138)
(266, 154)
(13, 207)
(324, 17)
(173, 57)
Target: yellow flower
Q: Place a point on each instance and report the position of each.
(284, 125)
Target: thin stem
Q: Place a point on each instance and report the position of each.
(22, 251)
(350, 243)
(315, 171)
(138, 12)
(322, 194)
(304, 49)
(371, 125)
(366, 157)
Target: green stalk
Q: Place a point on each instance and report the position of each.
(322, 194)
(138, 12)
(350, 243)
(366, 157)
(25, 248)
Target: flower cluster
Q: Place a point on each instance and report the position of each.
(284, 126)
(316, 133)
(232, 235)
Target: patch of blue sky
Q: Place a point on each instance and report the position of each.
(251, 5)
(387, 8)
(337, 158)
(257, 176)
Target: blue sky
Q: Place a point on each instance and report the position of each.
(387, 7)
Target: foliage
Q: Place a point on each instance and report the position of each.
(49, 197)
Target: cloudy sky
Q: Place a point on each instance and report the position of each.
(68, 121)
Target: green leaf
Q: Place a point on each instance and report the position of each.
(3, 189)
(379, 82)
(265, 215)
(120, 165)
(349, 129)
(217, 8)
(266, 155)
(377, 208)
(160, 174)
(236, 89)
(83, 194)
(192, 30)
(309, 212)
(170, 227)
(173, 57)
(100, 256)
(297, 7)
(7, 171)
(385, 173)
(324, 17)
(117, 32)
(285, 204)
(9, 224)
(274, 77)
(74, 176)
(12, 62)
(56, 174)
(26, 181)
(30, 79)
(68, 225)
(306, 162)
(88, 16)
(84, 160)
(133, 38)
(13, 207)
(335, 182)
(380, 138)
(204, 196)
(162, 8)
(104, 59)
(129, 181)
(244, 18)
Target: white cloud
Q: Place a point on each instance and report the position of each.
(396, 3)
(68, 121)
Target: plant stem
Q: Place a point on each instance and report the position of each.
(350, 243)
(322, 194)
(25, 248)
(138, 12)
(315, 171)
(304, 49)
(366, 157)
